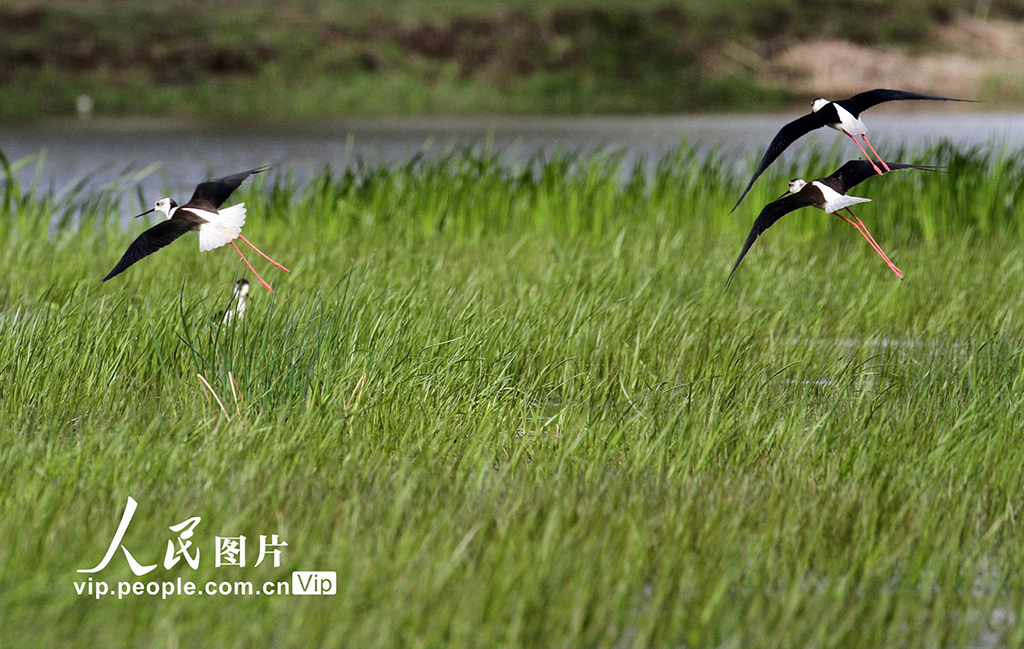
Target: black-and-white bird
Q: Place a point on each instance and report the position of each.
(828, 194)
(240, 295)
(843, 116)
(202, 212)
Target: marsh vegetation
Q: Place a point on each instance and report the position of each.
(516, 407)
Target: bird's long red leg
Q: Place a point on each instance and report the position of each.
(874, 244)
(264, 254)
(866, 235)
(265, 285)
(863, 233)
(858, 226)
(866, 156)
(876, 153)
(863, 229)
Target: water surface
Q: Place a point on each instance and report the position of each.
(100, 151)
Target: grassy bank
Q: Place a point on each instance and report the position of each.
(520, 410)
(292, 60)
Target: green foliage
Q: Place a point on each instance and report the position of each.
(293, 60)
(519, 408)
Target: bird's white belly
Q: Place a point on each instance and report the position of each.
(203, 214)
(848, 123)
(221, 227)
(834, 201)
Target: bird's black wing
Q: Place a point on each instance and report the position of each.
(789, 134)
(855, 172)
(771, 213)
(211, 194)
(150, 241)
(865, 100)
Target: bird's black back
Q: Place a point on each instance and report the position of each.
(865, 100)
(211, 194)
(855, 172)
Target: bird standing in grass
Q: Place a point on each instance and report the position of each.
(202, 212)
(828, 194)
(241, 292)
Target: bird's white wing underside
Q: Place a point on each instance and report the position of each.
(843, 201)
(221, 227)
(834, 201)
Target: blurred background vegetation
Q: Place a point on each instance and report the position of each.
(293, 59)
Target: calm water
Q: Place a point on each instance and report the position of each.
(101, 151)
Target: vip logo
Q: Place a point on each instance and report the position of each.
(311, 582)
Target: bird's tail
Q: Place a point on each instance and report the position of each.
(841, 202)
(222, 229)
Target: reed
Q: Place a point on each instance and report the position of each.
(517, 407)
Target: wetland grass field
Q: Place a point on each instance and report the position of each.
(518, 408)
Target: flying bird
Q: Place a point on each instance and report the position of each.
(843, 116)
(202, 212)
(828, 194)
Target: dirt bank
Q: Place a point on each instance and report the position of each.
(968, 58)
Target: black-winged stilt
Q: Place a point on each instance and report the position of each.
(843, 116)
(202, 212)
(240, 293)
(828, 194)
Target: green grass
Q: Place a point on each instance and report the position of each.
(518, 409)
(289, 60)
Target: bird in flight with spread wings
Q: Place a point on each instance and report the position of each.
(828, 194)
(202, 212)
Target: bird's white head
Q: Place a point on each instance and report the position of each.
(241, 289)
(165, 205)
(796, 185)
(819, 103)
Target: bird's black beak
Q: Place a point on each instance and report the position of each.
(144, 213)
(784, 194)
